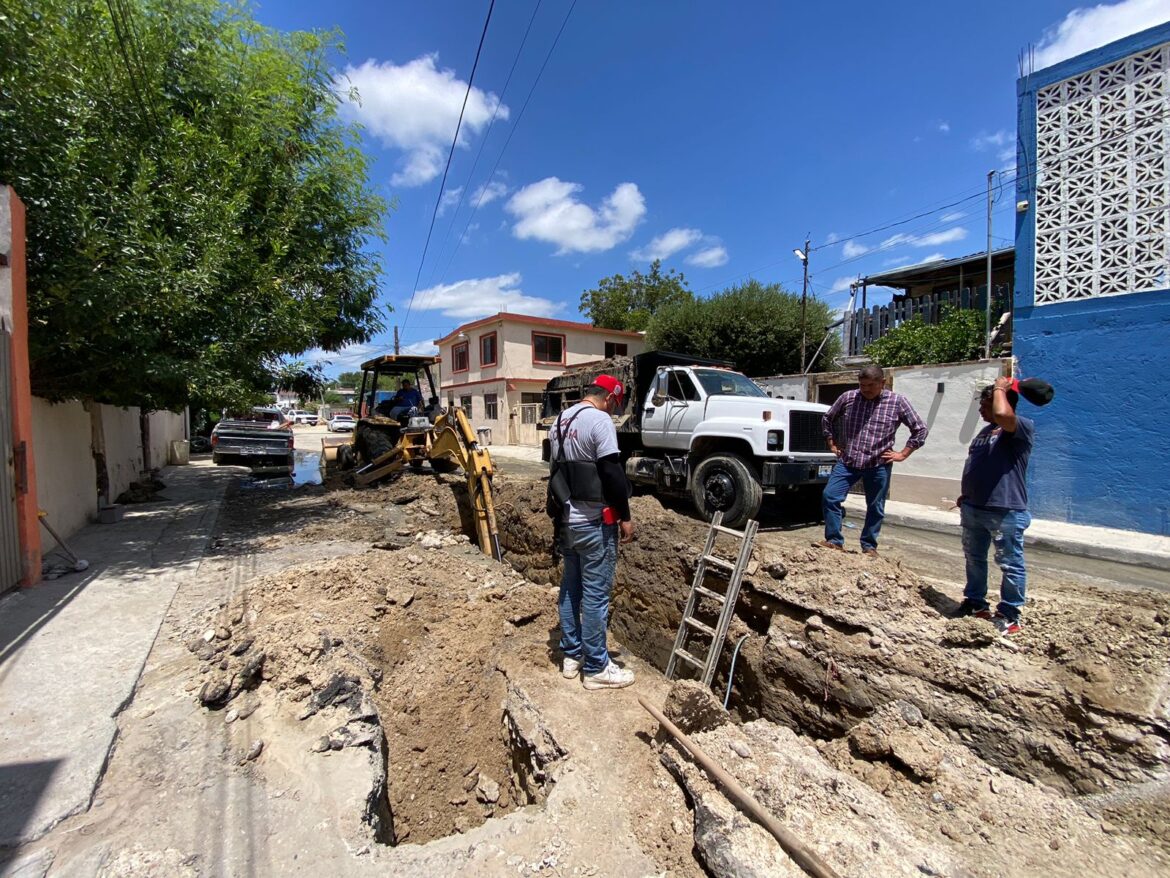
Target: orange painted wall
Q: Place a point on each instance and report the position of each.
(26, 501)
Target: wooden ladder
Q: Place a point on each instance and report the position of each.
(727, 600)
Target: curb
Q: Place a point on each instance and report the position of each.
(1137, 556)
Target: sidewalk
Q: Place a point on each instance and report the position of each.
(72, 649)
(1127, 547)
(515, 452)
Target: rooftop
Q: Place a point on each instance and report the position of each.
(939, 270)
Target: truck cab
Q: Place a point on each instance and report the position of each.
(698, 428)
(714, 433)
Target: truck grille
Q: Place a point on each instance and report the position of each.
(804, 432)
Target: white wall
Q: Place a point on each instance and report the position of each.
(932, 475)
(66, 475)
(164, 428)
(123, 447)
(65, 467)
(786, 386)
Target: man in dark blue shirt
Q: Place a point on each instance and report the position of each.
(994, 507)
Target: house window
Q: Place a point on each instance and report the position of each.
(487, 350)
(465, 404)
(459, 358)
(491, 406)
(615, 349)
(548, 349)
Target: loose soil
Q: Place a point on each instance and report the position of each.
(891, 739)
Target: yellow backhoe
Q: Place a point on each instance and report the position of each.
(401, 425)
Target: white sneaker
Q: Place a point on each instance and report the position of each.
(612, 677)
(570, 668)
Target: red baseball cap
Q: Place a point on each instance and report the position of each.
(612, 385)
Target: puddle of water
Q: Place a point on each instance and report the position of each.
(306, 471)
(307, 468)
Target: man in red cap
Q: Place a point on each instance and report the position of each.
(589, 482)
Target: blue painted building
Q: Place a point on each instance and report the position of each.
(1092, 300)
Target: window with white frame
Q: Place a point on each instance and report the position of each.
(1103, 181)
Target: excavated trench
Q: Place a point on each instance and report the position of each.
(834, 637)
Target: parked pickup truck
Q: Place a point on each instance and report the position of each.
(260, 438)
(696, 428)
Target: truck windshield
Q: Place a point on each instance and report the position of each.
(717, 382)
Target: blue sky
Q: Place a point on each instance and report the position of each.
(716, 136)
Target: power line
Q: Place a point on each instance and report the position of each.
(515, 125)
(450, 155)
(483, 141)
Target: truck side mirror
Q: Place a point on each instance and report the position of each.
(659, 396)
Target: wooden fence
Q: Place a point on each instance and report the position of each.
(863, 327)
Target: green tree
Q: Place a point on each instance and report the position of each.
(349, 379)
(957, 337)
(197, 211)
(628, 303)
(756, 326)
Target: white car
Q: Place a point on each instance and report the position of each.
(306, 418)
(342, 424)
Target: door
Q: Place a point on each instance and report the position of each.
(10, 572)
(672, 412)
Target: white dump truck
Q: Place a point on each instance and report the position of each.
(696, 428)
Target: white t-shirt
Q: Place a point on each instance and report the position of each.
(590, 436)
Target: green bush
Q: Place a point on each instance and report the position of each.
(957, 337)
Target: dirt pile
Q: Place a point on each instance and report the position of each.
(904, 741)
(894, 797)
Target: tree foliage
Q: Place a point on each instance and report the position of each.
(628, 303)
(957, 337)
(349, 379)
(755, 325)
(196, 208)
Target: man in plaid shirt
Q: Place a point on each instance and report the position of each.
(860, 429)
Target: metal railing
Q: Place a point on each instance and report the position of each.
(864, 327)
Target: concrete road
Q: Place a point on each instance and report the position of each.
(940, 556)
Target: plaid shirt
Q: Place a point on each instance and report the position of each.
(867, 426)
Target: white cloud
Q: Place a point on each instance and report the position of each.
(952, 217)
(934, 239)
(1093, 26)
(450, 199)
(841, 284)
(481, 297)
(349, 357)
(852, 250)
(832, 238)
(944, 127)
(421, 349)
(934, 257)
(897, 260)
(414, 107)
(710, 257)
(549, 211)
(998, 140)
(667, 244)
(490, 191)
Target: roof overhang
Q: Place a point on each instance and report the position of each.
(925, 272)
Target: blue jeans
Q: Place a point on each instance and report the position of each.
(590, 557)
(877, 485)
(982, 526)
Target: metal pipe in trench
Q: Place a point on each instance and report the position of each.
(800, 853)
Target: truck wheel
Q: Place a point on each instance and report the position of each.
(725, 483)
(372, 444)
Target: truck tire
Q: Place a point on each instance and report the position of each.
(372, 444)
(725, 483)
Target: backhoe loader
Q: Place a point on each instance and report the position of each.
(395, 432)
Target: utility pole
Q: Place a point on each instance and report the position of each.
(804, 305)
(396, 341)
(987, 308)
